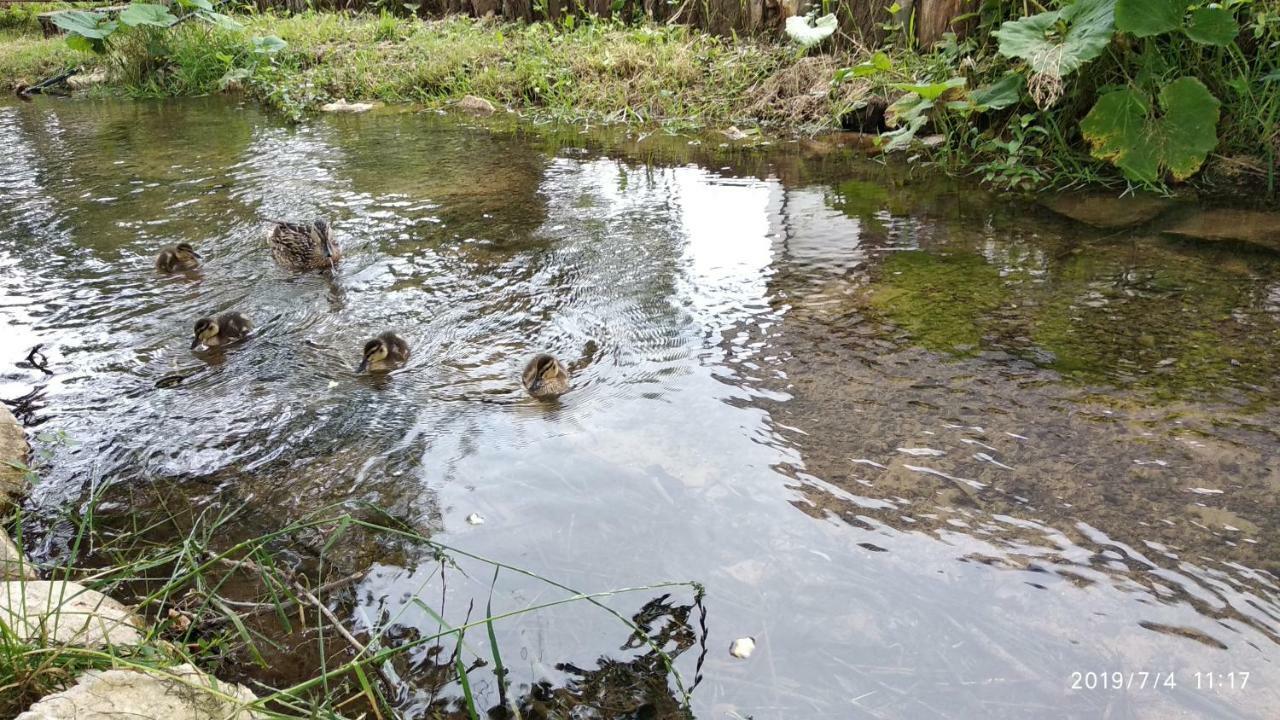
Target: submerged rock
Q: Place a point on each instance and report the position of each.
(67, 613)
(1246, 226)
(341, 105)
(475, 105)
(1108, 211)
(13, 566)
(13, 451)
(174, 694)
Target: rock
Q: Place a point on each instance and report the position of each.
(13, 566)
(341, 105)
(733, 133)
(475, 105)
(475, 519)
(172, 694)
(87, 80)
(66, 613)
(742, 647)
(1108, 211)
(1247, 226)
(933, 141)
(13, 451)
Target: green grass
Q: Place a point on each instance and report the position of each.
(232, 607)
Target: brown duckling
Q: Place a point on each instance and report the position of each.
(221, 330)
(304, 247)
(179, 258)
(545, 378)
(384, 353)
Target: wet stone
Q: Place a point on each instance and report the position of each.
(179, 694)
(13, 566)
(66, 613)
(1108, 211)
(475, 105)
(1246, 226)
(13, 451)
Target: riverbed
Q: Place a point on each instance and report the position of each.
(941, 453)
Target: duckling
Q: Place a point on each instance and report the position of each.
(545, 377)
(384, 352)
(304, 247)
(179, 258)
(221, 330)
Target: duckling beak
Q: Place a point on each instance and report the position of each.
(195, 342)
(328, 249)
(364, 364)
(197, 255)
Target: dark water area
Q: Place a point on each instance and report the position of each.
(943, 454)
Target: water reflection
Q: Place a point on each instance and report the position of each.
(1018, 447)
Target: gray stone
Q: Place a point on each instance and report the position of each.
(177, 693)
(13, 451)
(1247, 226)
(66, 613)
(475, 105)
(1108, 211)
(13, 566)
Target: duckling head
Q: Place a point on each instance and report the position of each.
(186, 253)
(542, 371)
(206, 329)
(375, 351)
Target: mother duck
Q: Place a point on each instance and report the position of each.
(299, 246)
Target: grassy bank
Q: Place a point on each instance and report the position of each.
(994, 106)
(595, 72)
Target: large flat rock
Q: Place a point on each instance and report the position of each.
(178, 693)
(1246, 226)
(13, 566)
(13, 451)
(66, 613)
(1107, 211)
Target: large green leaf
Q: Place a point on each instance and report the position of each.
(147, 14)
(1059, 41)
(1122, 129)
(1000, 94)
(1212, 26)
(1145, 18)
(931, 91)
(268, 45)
(86, 24)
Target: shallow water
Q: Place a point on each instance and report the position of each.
(935, 450)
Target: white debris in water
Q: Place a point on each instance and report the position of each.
(928, 432)
(864, 461)
(1251, 541)
(475, 519)
(743, 647)
(1230, 528)
(1016, 435)
(971, 483)
(921, 452)
(988, 459)
(333, 384)
(979, 443)
(1161, 463)
(1204, 491)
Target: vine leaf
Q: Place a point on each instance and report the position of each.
(1212, 26)
(1122, 129)
(1041, 40)
(1144, 18)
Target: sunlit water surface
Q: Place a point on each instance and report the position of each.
(936, 451)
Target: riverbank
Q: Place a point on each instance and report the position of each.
(971, 107)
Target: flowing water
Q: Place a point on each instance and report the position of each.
(942, 454)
